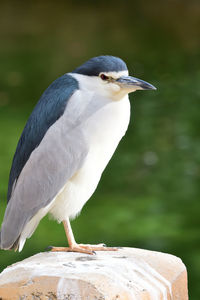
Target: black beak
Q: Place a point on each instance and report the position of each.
(133, 83)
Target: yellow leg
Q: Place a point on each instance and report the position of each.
(74, 247)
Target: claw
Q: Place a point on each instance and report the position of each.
(87, 249)
(48, 248)
(71, 249)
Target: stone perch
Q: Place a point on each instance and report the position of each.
(128, 274)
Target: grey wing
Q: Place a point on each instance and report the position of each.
(58, 157)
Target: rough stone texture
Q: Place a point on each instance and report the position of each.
(126, 274)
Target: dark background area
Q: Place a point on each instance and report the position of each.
(149, 194)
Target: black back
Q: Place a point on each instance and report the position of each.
(47, 111)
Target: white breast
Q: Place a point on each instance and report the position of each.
(104, 130)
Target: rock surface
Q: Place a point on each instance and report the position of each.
(128, 274)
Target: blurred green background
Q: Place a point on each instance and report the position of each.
(149, 194)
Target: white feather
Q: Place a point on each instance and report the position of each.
(105, 129)
(105, 115)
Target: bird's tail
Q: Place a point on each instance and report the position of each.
(15, 246)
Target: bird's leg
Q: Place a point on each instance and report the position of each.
(74, 247)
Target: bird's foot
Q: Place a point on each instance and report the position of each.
(81, 248)
(98, 247)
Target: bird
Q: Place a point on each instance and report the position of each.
(64, 148)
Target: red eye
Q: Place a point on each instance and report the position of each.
(104, 77)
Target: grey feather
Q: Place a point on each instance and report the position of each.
(47, 111)
(61, 153)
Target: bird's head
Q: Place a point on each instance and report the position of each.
(108, 76)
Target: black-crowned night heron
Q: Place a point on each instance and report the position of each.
(66, 144)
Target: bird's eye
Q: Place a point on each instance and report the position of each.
(104, 77)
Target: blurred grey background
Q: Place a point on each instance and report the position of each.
(149, 194)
